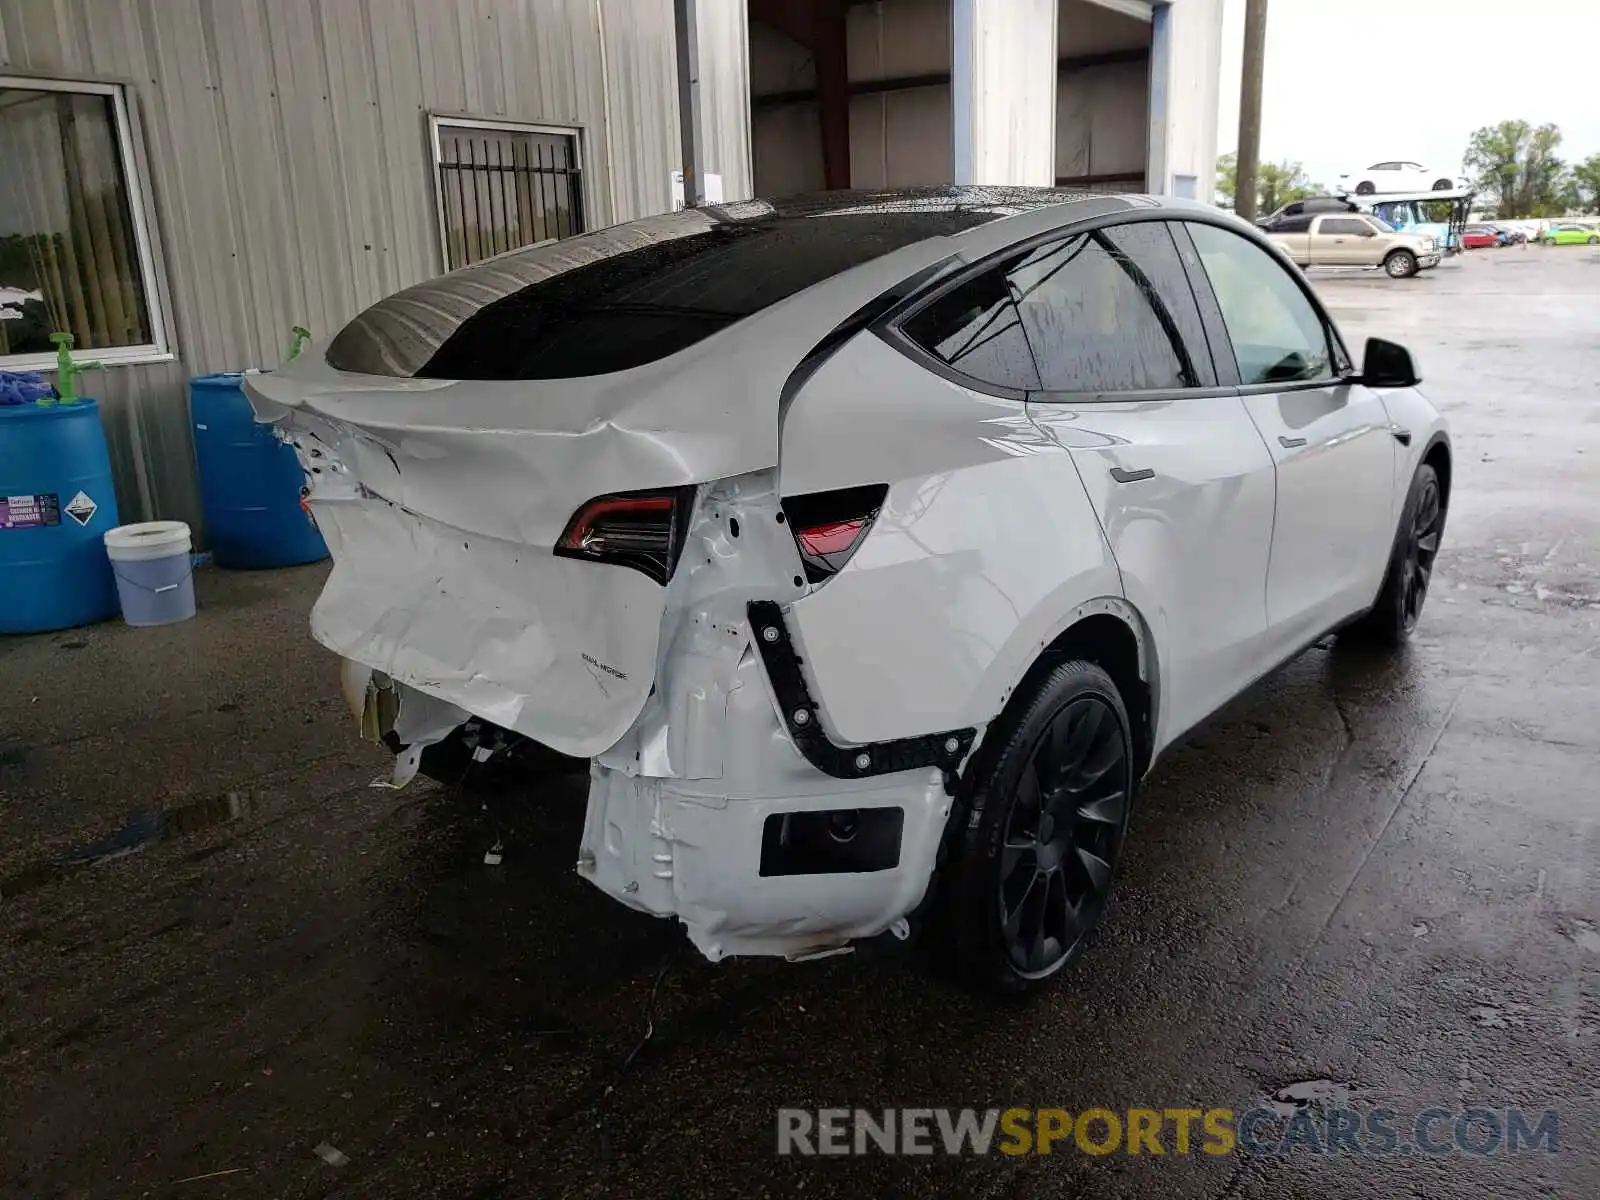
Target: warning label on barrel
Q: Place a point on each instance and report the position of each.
(80, 508)
(30, 512)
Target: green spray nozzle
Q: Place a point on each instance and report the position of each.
(67, 371)
(297, 340)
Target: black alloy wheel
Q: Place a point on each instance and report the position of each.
(1411, 557)
(1033, 846)
(1421, 548)
(1062, 837)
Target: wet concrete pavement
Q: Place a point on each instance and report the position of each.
(220, 948)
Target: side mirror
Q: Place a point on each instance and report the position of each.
(1388, 365)
(1369, 233)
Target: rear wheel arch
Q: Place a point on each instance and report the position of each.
(1437, 456)
(1112, 634)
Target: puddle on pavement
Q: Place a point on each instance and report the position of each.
(1319, 1094)
(142, 828)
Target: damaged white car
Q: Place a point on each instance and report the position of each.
(871, 546)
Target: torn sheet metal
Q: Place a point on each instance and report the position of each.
(440, 503)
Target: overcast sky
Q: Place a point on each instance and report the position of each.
(1354, 82)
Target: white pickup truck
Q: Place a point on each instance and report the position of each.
(1354, 240)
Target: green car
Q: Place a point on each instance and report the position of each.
(1572, 233)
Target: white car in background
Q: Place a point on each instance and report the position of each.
(871, 545)
(1395, 176)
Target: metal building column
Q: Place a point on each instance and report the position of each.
(1003, 91)
(687, 35)
(1156, 180)
(830, 52)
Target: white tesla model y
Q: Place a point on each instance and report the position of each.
(870, 545)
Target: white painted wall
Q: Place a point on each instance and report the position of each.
(1192, 93)
(1003, 91)
(724, 28)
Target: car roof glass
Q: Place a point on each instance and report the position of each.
(638, 292)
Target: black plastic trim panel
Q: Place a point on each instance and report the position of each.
(801, 718)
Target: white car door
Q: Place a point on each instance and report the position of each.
(1177, 473)
(1331, 438)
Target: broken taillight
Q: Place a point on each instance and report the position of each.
(828, 526)
(642, 530)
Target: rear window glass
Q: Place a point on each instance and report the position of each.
(975, 329)
(643, 305)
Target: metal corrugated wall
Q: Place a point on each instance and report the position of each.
(287, 151)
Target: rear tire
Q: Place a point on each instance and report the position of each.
(1401, 264)
(1034, 847)
(1365, 188)
(1411, 559)
(1594, 241)
(1441, 185)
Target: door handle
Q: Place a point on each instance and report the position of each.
(1289, 443)
(1123, 476)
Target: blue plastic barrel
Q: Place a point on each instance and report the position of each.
(249, 482)
(56, 503)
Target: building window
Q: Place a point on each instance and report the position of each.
(75, 244)
(504, 186)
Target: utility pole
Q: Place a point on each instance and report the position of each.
(1249, 156)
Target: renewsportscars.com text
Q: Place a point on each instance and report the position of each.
(1373, 1132)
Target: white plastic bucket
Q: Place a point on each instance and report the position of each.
(155, 578)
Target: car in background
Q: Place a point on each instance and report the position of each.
(1399, 177)
(1572, 233)
(1354, 240)
(1309, 206)
(1510, 233)
(870, 545)
(1479, 237)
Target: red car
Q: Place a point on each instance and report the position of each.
(1476, 237)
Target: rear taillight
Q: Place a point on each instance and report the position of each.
(642, 530)
(828, 526)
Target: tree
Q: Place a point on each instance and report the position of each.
(1516, 164)
(1277, 184)
(1586, 180)
(1227, 179)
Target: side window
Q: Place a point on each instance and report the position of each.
(974, 328)
(1109, 311)
(1293, 225)
(1344, 225)
(1278, 337)
(1293, 210)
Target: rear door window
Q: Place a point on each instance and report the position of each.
(1111, 311)
(1346, 226)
